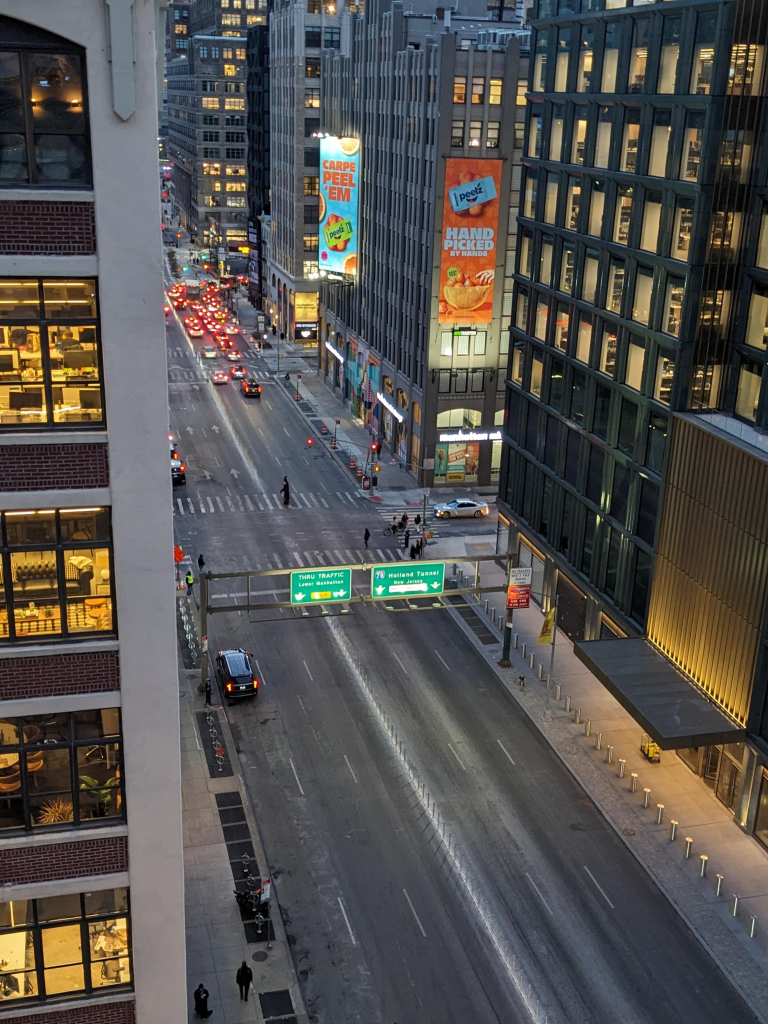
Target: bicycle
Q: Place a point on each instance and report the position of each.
(392, 531)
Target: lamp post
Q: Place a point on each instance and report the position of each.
(507, 642)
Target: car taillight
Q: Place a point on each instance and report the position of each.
(230, 687)
(255, 683)
(183, 469)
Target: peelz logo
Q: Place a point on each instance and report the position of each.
(462, 197)
(339, 231)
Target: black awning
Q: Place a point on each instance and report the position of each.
(668, 705)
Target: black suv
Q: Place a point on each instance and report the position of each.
(235, 674)
(250, 388)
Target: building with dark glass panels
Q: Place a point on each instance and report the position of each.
(635, 438)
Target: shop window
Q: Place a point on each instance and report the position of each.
(556, 377)
(638, 55)
(670, 54)
(703, 55)
(633, 375)
(74, 945)
(641, 586)
(537, 368)
(748, 393)
(693, 137)
(534, 137)
(579, 137)
(660, 136)
(556, 133)
(562, 56)
(63, 769)
(757, 324)
(615, 291)
(567, 262)
(627, 428)
(539, 64)
(649, 232)
(641, 306)
(745, 74)
(578, 396)
(460, 89)
(550, 199)
(622, 216)
(603, 137)
(611, 57)
(630, 141)
(656, 442)
(586, 60)
(583, 339)
(608, 345)
(475, 133)
(50, 354)
(561, 328)
(457, 134)
(573, 204)
(596, 209)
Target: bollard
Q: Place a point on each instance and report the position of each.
(632, 782)
(672, 830)
(567, 705)
(515, 639)
(688, 845)
(522, 651)
(646, 796)
(609, 754)
(485, 605)
(659, 813)
(588, 727)
(493, 614)
(752, 926)
(719, 884)
(735, 910)
(577, 716)
(558, 689)
(703, 858)
(599, 741)
(622, 765)
(540, 670)
(531, 660)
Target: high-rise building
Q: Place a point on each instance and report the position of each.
(636, 408)
(91, 903)
(257, 100)
(414, 339)
(299, 32)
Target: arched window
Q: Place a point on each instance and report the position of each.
(465, 419)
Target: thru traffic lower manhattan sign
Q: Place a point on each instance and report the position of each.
(320, 586)
(403, 580)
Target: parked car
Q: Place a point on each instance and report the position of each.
(178, 472)
(235, 674)
(461, 507)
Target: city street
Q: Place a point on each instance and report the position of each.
(382, 928)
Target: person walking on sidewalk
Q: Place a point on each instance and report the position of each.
(200, 563)
(417, 524)
(406, 539)
(366, 536)
(413, 552)
(286, 491)
(244, 977)
(201, 1002)
(190, 581)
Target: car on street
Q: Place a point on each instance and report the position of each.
(220, 377)
(222, 339)
(461, 507)
(179, 302)
(178, 472)
(209, 352)
(195, 330)
(250, 388)
(232, 328)
(167, 309)
(234, 356)
(238, 372)
(235, 674)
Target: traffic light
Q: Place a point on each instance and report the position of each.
(377, 469)
(310, 442)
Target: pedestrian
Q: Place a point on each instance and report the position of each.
(286, 491)
(407, 538)
(422, 545)
(201, 1002)
(366, 536)
(413, 552)
(417, 524)
(200, 563)
(244, 977)
(403, 520)
(190, 581)
(395, 525)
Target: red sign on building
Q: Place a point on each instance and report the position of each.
(519, 596)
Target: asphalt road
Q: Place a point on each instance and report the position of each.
(382, 928)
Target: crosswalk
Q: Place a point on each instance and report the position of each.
(178, 375)
(247, 504)
(390, 512)
(337, 556)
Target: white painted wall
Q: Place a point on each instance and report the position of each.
(126, 189)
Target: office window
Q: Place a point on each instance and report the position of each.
(612, 566)
(233, 103)
(518, 350)
(658, 426)
(556, 132)
(641, 586)
(236, 201)
(211, 152)
(660, 137)
(596, 209)
(235, 171)
(542, 317)
(312, 37)
(312, 67)
(460, 89)
(586, 60)
(230, 70)
(578, 396)
(703, 55)
(761, 259)
(573, 204)
(602, 411)
(212, 169)
(562, 323)
(630, 141)
(492, 135)
(46, 755)
(545, 261)
(529, 194)
(611, 57)
(647, 512)
(331, 38)
(649, 234)
(231, 87)
(724, 235)
(745, 74)
(539, 65)
(567, 264)
(494, 91)
(633, 375)
(579, 138)
(638, 55)
(620, 492)
(562, 57)
(534, 137)
(550, 199)
(537, 367)
(209, 86)
(211, 119)
(50, 354)
(232, 186)
(311, 185)
(594, 488)
(58, 572)
(670, 53)
(748, 393)
(735, 155)
(521, 314)
(590, 528)
(478, 90)
(615, 289)
(556, 380)
(673, 306)
(665, 375)
(681, 230)
(584, 339)
(622, 216)
(210, 136)
(475, 133)
(603, 137)
(457, 134)
(526, 247)
(73, 945)
(627, 427)
(312, 98)
(757, 323)
(641, 307)
(310, 243)
(608, 345)
(589, 279)
(446, 343)
(478, 346)
(210, 103)
(313, 6)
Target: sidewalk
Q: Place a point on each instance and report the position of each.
(732, 853)
(219, 827)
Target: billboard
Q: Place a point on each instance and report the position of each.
(470, 227)
(339, 186)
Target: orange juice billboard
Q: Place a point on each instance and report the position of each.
(470, 227)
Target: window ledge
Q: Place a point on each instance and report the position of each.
(35, 650)
(34, 1010)
(31, 840)
(46, 195)
(97, 435)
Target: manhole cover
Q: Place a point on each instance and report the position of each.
(627, 831)
(260, 957)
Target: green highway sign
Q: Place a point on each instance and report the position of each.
(321, 586)
(415, 579)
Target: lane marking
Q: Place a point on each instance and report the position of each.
(456, 756)
(350, 768)
(260, 431)
(402, 666)
(267, 401)
(296, 556)
(505, 750)
(537, 891)
(442, 659)
(295, 775)
(351, 499)
(248, 503)
(302, 704)
(306, 666)
(286, 432)
(269, 504)
(599, 888)
(346, 921)
(210, 505)
(277, 461)
(305, 501)
(181, 507)
(220, 503)
(413, 911)
(277, 503)
(314, 500)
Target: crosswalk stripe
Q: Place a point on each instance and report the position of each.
(338, 557)
(319, 556)
(308, 558)
(298, 560)
(325, 503)
(202, 506)
(351, 499)
(210, 506)
(267, 563)
(248, 503)
(341, 497)
(181, 507)
(230, 503)
(277, 559)
(303, 498)
(350, 556)
(269, 506)
(277, 503)
(314, 500)
(380, 553)
(220, 503)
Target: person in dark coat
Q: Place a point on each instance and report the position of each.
(244, 977)
(200, 563)
(406, 540)
(366, 536)
(286, 491)
(201, 1002)
(413, 552)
